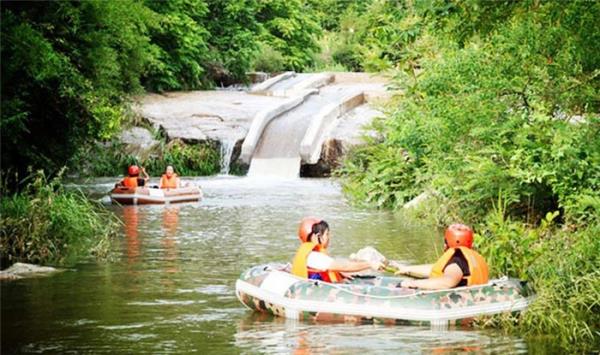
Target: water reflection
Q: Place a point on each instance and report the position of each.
(170, 221)
(130, 224)
(269, 335)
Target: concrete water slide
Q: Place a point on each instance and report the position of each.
(281, 140)
(278, 127)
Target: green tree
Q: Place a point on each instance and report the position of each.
(65, 69)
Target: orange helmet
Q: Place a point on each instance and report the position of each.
(459, 235)
(133, 170)
(305, 228)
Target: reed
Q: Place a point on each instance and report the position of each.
(46, 224)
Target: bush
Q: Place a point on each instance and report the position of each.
(500, 119)
(45, 224)
(562, 267)
(268, 60)
(113, 159)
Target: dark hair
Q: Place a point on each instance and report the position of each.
(318, 229)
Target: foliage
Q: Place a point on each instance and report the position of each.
(47, 224)
(179, 40)
(369, 35)
(561, 265)
(497, 112)
(268, 60)
(493, 118)
(113, 159)
(69, 68)
(65, 68)
(188, 160)
(291, 29)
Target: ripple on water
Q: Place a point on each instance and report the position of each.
(213, 290)
(166, 303)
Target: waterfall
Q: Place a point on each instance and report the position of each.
(227, 146)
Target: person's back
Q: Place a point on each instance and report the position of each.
(458, 266)
(133, 180)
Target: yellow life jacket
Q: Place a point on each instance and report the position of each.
(299, 267)
(478, 268)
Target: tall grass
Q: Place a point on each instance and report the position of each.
(45, 224)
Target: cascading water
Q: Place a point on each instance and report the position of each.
(227, 146)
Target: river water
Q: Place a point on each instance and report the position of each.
(170, 287)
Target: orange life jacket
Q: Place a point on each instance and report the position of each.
(130, 181)
(168, 183)
(478, 268)
(299, 267)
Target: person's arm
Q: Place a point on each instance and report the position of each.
(146, 177)
(320, 261)
(418, 271)
(352, 266)
(452, 276)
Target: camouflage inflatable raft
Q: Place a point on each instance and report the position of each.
(272, 289)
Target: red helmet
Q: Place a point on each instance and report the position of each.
(459, 235)
(305, 228)
(133, 170)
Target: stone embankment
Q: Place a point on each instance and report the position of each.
(238, 120)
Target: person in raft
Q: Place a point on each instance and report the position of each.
(459, 266)
(169, 180)
(311, 260)
(133, 179)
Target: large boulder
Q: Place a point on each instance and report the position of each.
(138, 141)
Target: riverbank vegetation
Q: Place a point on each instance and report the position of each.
(46, 224)
(497, 113)
(113, 158)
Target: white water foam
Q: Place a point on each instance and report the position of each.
(227, 146)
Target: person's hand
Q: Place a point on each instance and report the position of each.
(143, 169)
(408, 284)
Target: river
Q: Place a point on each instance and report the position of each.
(170, 285)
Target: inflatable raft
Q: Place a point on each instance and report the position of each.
(272, 289)
(145, 195)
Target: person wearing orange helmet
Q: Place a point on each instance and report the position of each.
(459, 266)
(311, 260)
(133, 178)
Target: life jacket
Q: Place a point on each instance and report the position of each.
(299, 267)
(130, 181)
(166, 183)
(478, 268)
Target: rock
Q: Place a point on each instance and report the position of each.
(21, 270)
(349, 131)
(257, 77)
(201, 116)
(138, 141)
